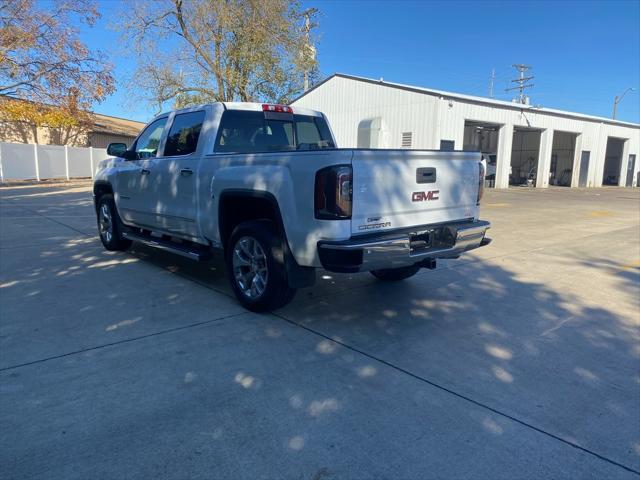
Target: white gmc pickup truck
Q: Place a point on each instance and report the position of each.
(266, 185)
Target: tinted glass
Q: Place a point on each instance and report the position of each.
(147, 143)
(243, 131)
(307, 133)
(184, 134)
(325, 133)
(246, 131)
(312, 133)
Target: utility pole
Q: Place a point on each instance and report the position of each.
(617, 99)
(309, 48)
(492, 80)
(522, 83)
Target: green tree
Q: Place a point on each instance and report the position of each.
(219, 50)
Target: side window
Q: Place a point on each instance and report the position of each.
(238, 130)
(184, 134)
(147, 144)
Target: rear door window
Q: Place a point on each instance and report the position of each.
(184, 134)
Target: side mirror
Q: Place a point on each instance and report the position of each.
(116, 149)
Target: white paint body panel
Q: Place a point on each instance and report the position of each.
(384, 182)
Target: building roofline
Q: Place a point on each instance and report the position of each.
(90, 112)
(117, 118)
(475, 99)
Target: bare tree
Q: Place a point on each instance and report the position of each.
(218, 50)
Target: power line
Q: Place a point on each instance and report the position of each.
(522, 83)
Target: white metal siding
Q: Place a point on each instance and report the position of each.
(431, 118)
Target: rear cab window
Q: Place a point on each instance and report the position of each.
(244, 131)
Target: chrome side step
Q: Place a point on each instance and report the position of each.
(192, 251)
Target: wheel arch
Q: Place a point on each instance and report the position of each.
(247, 205)
(100, 188)
(236, 206)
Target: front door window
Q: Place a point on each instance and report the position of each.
(148, 142)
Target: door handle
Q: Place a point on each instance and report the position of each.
(186, 172)
(145, 171)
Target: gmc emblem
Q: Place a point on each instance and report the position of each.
(425, 196)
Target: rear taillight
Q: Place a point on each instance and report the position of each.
(333, 193)
(481, 181)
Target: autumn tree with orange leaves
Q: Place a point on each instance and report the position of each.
(48, 77)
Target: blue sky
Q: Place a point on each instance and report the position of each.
(582, 53)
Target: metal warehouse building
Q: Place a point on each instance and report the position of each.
(528, 145)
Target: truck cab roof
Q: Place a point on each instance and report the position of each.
(250, 106)
(257, 107)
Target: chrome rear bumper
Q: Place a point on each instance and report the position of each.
(400, 249)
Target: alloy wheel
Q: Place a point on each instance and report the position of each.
(250, 267)
(106, 223)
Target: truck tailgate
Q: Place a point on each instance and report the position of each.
(404, 188)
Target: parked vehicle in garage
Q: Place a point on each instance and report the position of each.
(266, 185)
(492, 162)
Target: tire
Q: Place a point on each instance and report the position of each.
(255, 266)
(395, 274)
(109, 225)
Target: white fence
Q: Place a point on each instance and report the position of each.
(20, 161)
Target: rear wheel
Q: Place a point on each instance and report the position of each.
(255, 266)
(110, 226)
(395, 274)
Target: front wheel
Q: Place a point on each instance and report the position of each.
(255, 266)
(395, 274)
(110, 225)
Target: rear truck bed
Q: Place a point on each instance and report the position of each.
(410, 207)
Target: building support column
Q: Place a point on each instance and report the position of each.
(505, 143)
(577, 158)
(544, 158)
(624, 162)
(598, 157)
